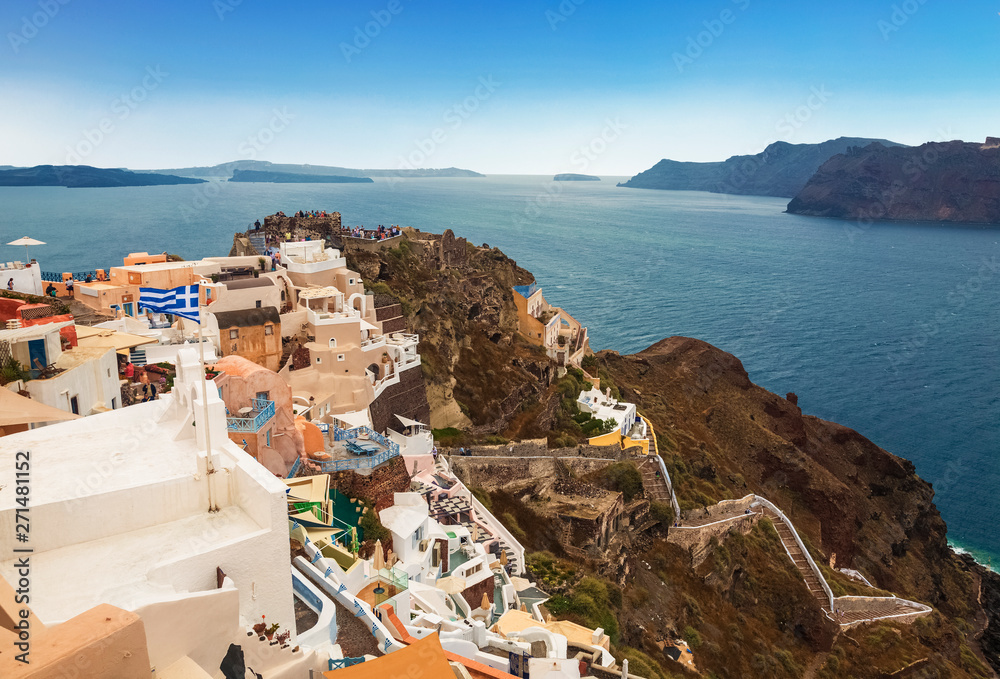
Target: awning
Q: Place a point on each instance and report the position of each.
(16, 409)
(365, 325)
(102, 337)
(31, 332)
(409, 423)
(355, 419)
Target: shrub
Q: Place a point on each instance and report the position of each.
(625, 478)
(661, 512)
(692, 637)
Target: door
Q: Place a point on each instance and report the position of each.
(128, 308)
(37, 357)
(74, 405)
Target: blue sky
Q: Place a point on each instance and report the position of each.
(501, 87)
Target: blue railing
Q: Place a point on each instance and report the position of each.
(357, 463)
(54, 277)
(295, 468)
(265, 411)
(351, 434)
(341, 663)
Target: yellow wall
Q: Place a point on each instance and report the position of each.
(606, 439)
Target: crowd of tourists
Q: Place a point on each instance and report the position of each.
(381, 233)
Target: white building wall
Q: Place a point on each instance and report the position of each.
(27, 280)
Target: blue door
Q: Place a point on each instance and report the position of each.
(128, 309)
(37, 356)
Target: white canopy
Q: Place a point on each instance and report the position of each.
(355, 419)
(365, 325)
(409, 423)
(16, 409)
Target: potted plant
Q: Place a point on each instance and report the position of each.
(260, 627)
(269, 632)
(283, 638)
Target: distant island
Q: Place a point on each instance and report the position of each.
(85, 176)
(570, 177)
(782, 169)
(295, 178)
(227, 170)
(952, 181)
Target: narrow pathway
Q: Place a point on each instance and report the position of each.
(799, 559)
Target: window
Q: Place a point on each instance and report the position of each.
(234, 334)
(268, 438)
(268, 329)
(333, 342)
(341, 357)
(74, 405)
(263, 396)
(114, 403)
(109, 372)
(258, 303)
(350, 281)
(319, 360)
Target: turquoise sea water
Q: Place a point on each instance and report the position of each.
(891, 329)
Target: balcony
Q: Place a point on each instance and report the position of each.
(254, 420)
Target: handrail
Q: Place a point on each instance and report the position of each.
(265, 411)
(663, 467)
(795, 534)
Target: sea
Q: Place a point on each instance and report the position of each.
(888, 328)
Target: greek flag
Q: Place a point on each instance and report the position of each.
(182, 301)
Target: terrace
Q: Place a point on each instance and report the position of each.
(252, 418)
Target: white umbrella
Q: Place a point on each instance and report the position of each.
(26, 241)
(379, 557)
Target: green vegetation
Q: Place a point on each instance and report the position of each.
(371, 527)
(661, 512)
(571, 427)
(590, 603)
(448, 437)
(12, 370)
(483, 496)
(623, 477)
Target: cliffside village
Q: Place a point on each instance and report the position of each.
(204, 495)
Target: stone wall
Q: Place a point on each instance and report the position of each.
(696, 540)
(376, 488)
(494, 473)
(438, 251)
(390, 315)
(408, 398)
(539, 448)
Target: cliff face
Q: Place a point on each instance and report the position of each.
(458, 297)
(949, 182)
(782, 169)
(858, 505)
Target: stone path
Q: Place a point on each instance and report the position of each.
(800, 561)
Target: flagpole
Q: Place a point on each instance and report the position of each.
(210, 468)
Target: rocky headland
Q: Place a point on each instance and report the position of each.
(782, 169)
(951, 181)
(570, 177)
(85, 176)
(227, 169)
(295, 178)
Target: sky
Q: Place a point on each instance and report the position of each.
(593, 86)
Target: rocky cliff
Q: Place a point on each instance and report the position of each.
(947, 182)
(782, 169)
(859, 506)
(458, 297)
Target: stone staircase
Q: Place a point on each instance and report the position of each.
(137, 357)
(799, 559)
(653, 483)
(258, 241)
